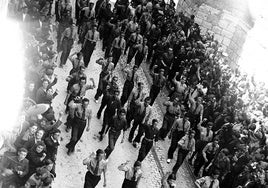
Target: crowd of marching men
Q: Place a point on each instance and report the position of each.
(215, 116)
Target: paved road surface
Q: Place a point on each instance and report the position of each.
(69, 169)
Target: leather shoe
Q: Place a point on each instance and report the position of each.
(134, 144)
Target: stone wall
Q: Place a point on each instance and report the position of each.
(230, 20)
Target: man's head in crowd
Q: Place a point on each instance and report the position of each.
(39, 134)
(110, 59)
(22, 153)
(45, 84)
(140, 86)
(162, 72)
(82, 81)
(122, 113)
(122, 35)
(137, 165)
(215, 174)
(85, 103)
(31, 86)
(191, 134)
(147, 101)
(138, 30)
(164, 39)
(199, 100)
(80, 55)
(116, 94)
(56, 134)
(100, 154)
(176, 101)
(94, 28)
(40, 146)
(144, 41)
(33, 129)
(170, 51)
(215, 142)
(209, 126)
(135, 68)
(114, 80)
(154, 123)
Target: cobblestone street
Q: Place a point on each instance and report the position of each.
(70, 170)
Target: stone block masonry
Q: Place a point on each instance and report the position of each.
(229, 21)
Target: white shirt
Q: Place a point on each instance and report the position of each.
(205, 182)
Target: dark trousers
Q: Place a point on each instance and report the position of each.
(136, 123)
(77, 132)
(87, 51)
(154, 91)
(98, 94)
(68, 122)
(138, 59)
(130, 114)
(66, 49)
(128, 86)
(102, 85)
(150, 50)
(127, 44)
(155, 57)
(182, 153)
(116, 55)
(102, 106)
(107, 50)
(167, 124)
(107, 118)
(113, 136)
(91, 180)
(200, 161)
(146, 146)
(199, 146)
(60, 30)
(131, 54)
(129, 184)
(176, 136)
